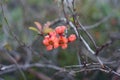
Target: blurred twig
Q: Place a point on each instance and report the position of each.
(11, 68)
(16, 64)
(14, 36)
(39, 75)
(10, 31)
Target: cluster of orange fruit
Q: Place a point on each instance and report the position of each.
(56, 38)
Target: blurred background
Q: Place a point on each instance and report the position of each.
(100, 17)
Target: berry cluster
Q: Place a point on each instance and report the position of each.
(57, 38)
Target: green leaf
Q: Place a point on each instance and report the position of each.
(34, 29)
(7, 46)
(71, 19)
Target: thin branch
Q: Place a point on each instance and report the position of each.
(86, 67)
(90, 37)
(98, 50)
(10, 31)
(29, 55)
(72, 10)
(85, 43)
(79, 59)
(12, 68)
(14, 36)
(16, 64)
(98, 23)
(39, 75)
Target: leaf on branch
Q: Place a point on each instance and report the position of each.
(7, 46)
(71, 19)
(47, 30)
(39, 26)
(33, 29)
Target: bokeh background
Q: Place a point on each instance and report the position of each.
(101, 17)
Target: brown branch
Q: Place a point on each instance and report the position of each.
(39, 75)
(98, 50)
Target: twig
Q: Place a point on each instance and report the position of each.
(10, 31)
(29, 54)
(12, 68)
(39, 75)
(98, 23)
(85, 43)
(14, 36)
(90, 37)
(16, 64)
(79, 36)
(103, 46)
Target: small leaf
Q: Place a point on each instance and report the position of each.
(39, 26)
(7, 46)
(71, 19)
(47, 30)
(33, 29)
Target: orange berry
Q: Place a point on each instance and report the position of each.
(63, 42)
(46, 42)
(60, 29)
(55, 39)
(50, 47)
(72, 38)
(53, 33)
(63, 28)
(51, 42)
(52, 38)
(47, 37)
(56, 45)
(64, 46)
